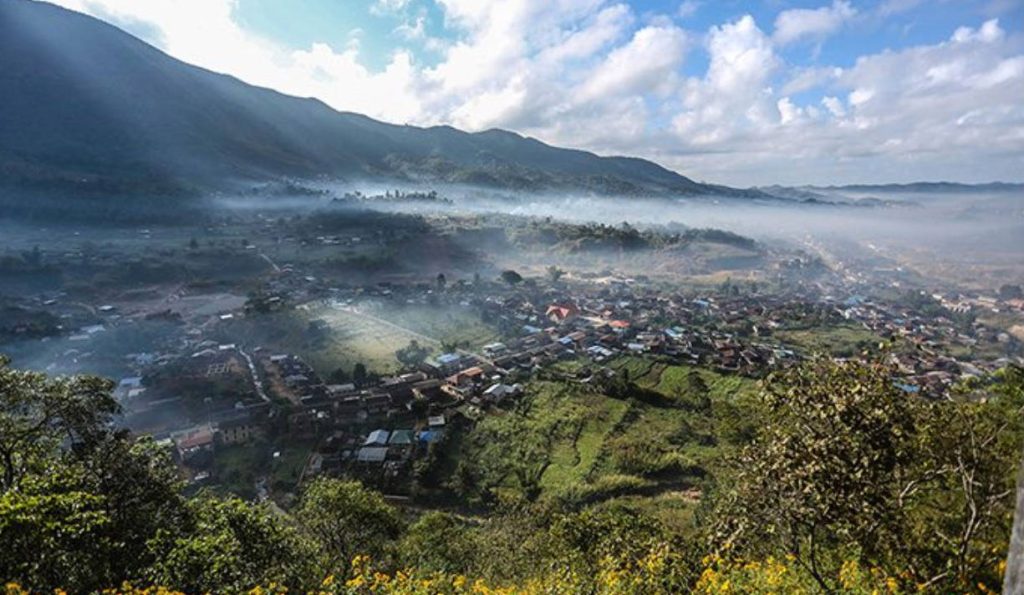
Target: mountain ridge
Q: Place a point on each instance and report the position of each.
(919, 186)
(95, 109)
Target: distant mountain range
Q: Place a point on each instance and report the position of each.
(921, 187)
(89, 108)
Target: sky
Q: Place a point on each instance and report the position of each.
(740, 93)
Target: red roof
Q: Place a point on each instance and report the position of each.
(562, 312)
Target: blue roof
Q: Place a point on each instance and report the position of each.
(448, 358)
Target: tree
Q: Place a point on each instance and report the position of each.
(339, 376)
(79, 501)
(413, 354)
(33, 258)
(554, 273)
(193, 244)
(438, 542)
(38, 413)
(228, 545)
(359, 374)
(1011, 292)
(847, 464)
(343, 519)
(442, 281)
(511, 277)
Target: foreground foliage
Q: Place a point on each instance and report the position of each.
(845, 485)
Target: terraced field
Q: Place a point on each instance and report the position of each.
(566, 439)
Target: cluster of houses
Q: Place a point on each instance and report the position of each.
(386, 423)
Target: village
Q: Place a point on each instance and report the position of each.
(202, 396)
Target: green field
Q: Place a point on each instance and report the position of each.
(370, 337)
(570, 440)
(350, 339)
(843, 340)
(668, 379)
(356, 338)
(449, 325)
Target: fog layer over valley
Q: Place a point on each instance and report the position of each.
(979, 233)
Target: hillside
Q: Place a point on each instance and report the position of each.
(89, 108)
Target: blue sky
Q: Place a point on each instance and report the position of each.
(745, 93)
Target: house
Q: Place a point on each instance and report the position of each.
(427, 390)
(498, 391)
(559, 313)
(377, 438)
(194, 441)
(463, 385)
(372, 454)
(377, 403)
(237, 431)
(448, 362)
(599, 353)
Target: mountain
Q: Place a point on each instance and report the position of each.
(87, 107)
(922, 187)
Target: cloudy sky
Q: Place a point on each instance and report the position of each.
(735, 92)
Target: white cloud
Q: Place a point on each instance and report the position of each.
(734, 98)
(891, 7)
(388, 6)
(834, 105)
(988, 32)
(648, 62)
(801, 23)
(688, 8)
(414, 30)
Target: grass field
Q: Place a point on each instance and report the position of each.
(357, 338)
(844, 340)
(573, 455)
(371, 337)
(573, 441)
(454, 325)
(668, 379)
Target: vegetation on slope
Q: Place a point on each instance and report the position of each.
(847, 485)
